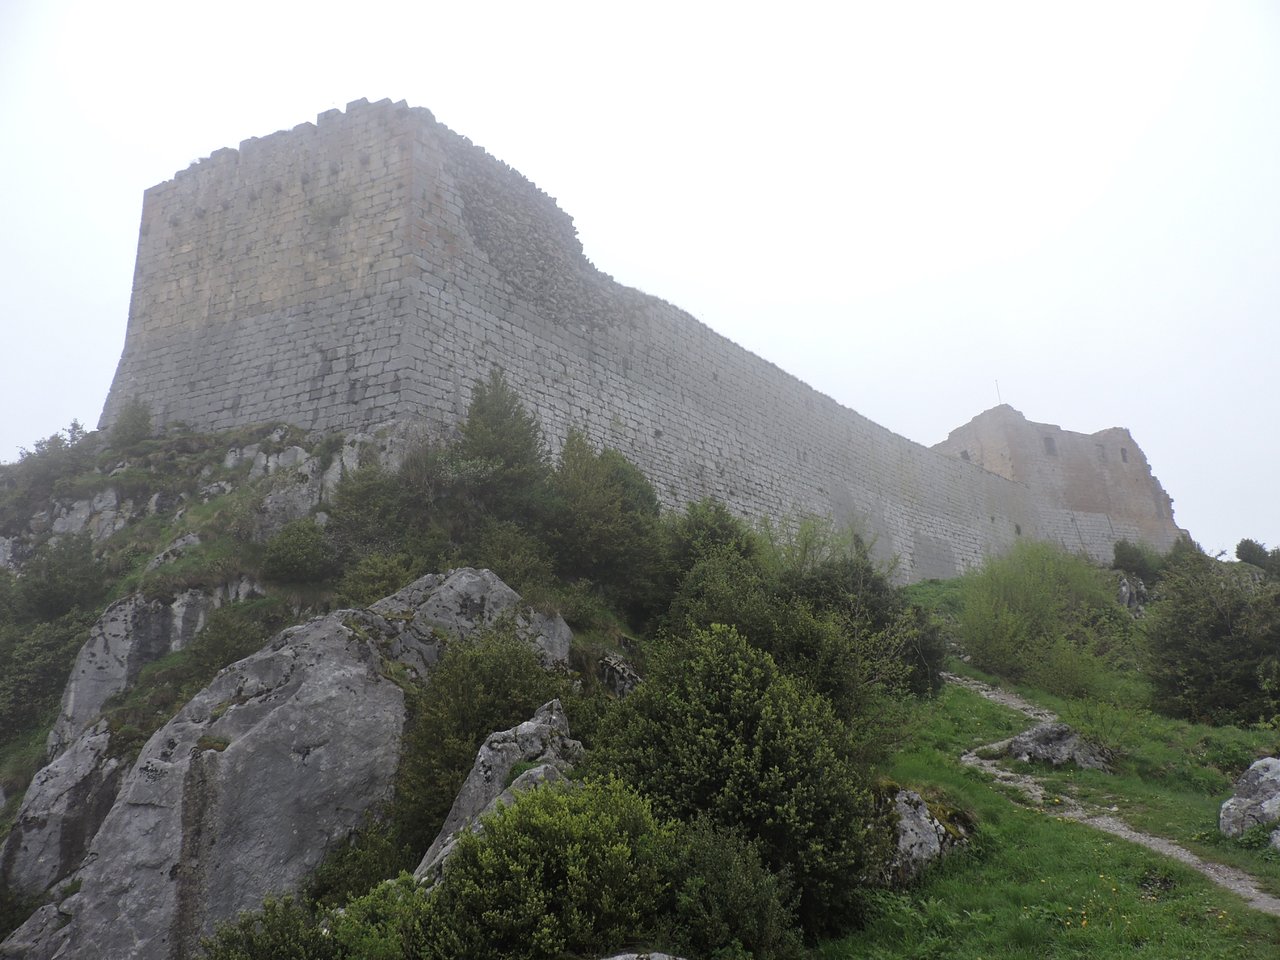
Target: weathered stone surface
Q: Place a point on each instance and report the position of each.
(10, 549)
(131, 633)
(239, 796)
(101, 516)
(618, 675)
(1058, 744)
(60, 813)
(923, 839)
(1256, 800)
(543, 740)
(465, 600)
(174, 551)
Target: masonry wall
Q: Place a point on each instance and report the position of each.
(375, 264)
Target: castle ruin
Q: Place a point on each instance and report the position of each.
(373, 265)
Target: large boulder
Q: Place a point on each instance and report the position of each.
(130, 634)
(458, 603)
(1057, 744)
(244, 791)
(238, 796)
(1255, 802)
(61, 811)
(923, 839)
(542, 742)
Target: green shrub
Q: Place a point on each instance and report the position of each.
(299, 553)
(1042, 616)
(35, 660)
(606, 525)
(724, 902)
(1214, 638)
(565, 870)
(60, 576)
(132, 426)
(1139, 560)
(717, 729)
(283, 930)
(487, 682)
(374, 576)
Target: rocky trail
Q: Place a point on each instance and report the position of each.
(1229, 878)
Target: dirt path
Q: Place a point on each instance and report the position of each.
(1237, 881)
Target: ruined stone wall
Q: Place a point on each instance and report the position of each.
(376, 264)
(1091, 489)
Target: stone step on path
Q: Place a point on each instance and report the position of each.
(1229, 878)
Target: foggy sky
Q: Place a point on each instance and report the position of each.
(900, 206)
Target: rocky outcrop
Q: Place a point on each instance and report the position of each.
(131, 633)
(101, 516)
(617, 675)
(923, 839)
(542, 741)
(61, 811)
(238, 796)
(1057, 744)
(1255, 802)
(465, 600)
(244, 791)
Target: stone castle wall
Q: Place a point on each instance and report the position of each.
(375, 264)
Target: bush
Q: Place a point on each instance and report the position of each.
(565, 870)
(1138, 560)
(725, 902)
(132, 426)
(299, 553)
(284, 930)
(1041, 616)
(375, 576)
(1215, 642)
(490, 681)
(606, 529)
(59, 577)
(718, 730)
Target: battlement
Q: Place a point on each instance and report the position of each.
(373, 265)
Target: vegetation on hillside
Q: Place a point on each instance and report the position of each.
(734, 805)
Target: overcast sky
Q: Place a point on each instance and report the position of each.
(902, 204)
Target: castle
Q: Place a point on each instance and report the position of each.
(372, 266)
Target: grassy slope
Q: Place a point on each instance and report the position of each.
(1033, 886)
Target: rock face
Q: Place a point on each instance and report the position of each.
(238, 796)
(465, 600)
(60, 813)
(131, 633)
(1057, 744)
(1256, 801)
(923, 839)
(542, 740)
(244, 791)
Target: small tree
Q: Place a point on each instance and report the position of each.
(132, 426)
(1215, 639)
(718, 730)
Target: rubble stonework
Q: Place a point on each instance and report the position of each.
(373, 265)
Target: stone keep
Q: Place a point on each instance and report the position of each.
(372, 266)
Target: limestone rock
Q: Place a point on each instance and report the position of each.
(922, 838)
(1256, 800)
(618, 675)
(237, 797)
(10, 551)
(1057, 744)
(543, 740)
(175, 550)
(131, 633)
(462, 601)
(60, 813)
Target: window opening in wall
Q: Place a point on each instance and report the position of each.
(1017, 529)
(1124, 454)
(1050, 447)
(964, 455)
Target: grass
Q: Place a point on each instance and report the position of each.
(1031, 885)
